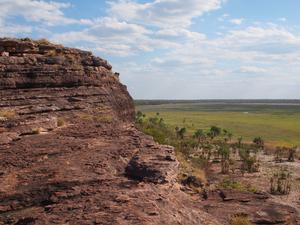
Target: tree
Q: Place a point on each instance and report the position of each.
(180, 132)
(214, 132)
(227, 135)
(281, 182)
(240, 139)
(292, 153)
(259, 142)
(249, 162)
(230, 135)
(224, 151)
(200, 135)
(139, 117)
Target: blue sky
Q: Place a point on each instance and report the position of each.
(175, 49)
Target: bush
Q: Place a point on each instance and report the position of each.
(236, 185)
(250, 163)
(259, 142)
(281, 182)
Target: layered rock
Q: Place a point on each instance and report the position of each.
(69, 152)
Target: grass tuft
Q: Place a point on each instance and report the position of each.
(240, 219)
(8, 113)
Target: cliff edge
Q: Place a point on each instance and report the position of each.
(69, 150)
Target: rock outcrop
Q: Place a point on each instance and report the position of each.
(69, 152)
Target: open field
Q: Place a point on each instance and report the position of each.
(277, 121)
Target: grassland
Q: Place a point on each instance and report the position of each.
(278, 122)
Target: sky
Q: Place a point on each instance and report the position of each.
(176, 49)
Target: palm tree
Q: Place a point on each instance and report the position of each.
(176, 130)
(259, 142)
(214, 132)
(181, 132)
(240, 139)
(230, 135)
(200, 135)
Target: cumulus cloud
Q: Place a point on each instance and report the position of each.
(115, 37)
(49, 13)
(163, 13)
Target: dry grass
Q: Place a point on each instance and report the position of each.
(8, 113)
(103, 118)
(42, 41)
(61, 122)
(240, 220)
(187, 168)
(37, 131)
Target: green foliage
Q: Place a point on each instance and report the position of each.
(240, 139)
(259, 142)
(181, 132)
(279, 154)
(200, 135)
(281, 182)
(236, 185)
(276, 128)
(224, 151)
(155, 127)
(292, 154)
(250, 163)
(214, 132)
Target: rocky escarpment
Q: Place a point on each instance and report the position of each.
(69, 152)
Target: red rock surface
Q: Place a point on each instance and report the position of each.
(69, 152)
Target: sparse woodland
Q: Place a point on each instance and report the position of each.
(219, 148)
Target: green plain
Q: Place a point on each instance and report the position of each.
(278, 125)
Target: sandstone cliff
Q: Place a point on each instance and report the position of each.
(69, 151)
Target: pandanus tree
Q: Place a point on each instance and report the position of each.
(240, 139)
(200, 136)
(180, 132)
(259, 142)
(292, 154)
(224, 152)
(214, 132)
(227, 135)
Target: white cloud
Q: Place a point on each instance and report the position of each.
(163, 13)
(49, 13)
(111, 36)
(237, 21)
(252, 70)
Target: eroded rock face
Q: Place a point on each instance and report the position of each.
(69, 152)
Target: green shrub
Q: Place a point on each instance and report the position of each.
(236, 185)
(281, 182)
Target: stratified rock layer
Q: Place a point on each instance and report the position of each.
(69, 152)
